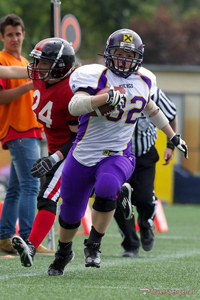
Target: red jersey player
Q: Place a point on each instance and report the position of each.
(52, 65)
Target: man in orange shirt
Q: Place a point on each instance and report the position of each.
(20, 134)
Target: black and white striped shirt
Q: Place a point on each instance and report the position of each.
(145, 134)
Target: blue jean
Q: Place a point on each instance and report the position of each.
(23, 188)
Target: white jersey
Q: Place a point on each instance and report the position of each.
(149, 74)
(99, 137)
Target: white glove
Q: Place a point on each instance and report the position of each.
(115, 98)
(180, 144)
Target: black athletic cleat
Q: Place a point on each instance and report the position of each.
(147, 239)
(92, 254)
(130, 253)
(58, 265)
(25, 249)
(124, 201)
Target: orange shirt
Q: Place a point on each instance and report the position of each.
(17, 119)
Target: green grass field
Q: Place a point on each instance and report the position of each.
(173, 267)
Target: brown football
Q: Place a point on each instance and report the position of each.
(105, 109)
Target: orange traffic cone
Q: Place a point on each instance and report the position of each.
(17, 223)
(160, 220)
(86, 222)
(1, 206)
(137, 228)
(17, 227)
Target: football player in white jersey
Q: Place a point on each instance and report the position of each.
(101, 157)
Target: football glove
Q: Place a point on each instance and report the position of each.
(180, 144)
(42, 166)
(115, 98)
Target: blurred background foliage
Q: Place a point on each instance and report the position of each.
(169, 28)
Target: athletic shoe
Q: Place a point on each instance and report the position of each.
(25, 249)
(58, 265)
(147, 239)
(130, 253)
(92, 254)
(124, 201)
(7, 247)
(43, 251)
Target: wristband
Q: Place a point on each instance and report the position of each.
(56, 157)
(170, 146)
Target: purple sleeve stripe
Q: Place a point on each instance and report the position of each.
(146, 80)
(102, 82)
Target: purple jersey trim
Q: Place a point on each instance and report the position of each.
(84, 121)
(102, 83)
(148, 82)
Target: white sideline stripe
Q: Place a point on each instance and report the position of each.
(121, 262)
(178, 237)
(3, 277)
(109, 287)
(168, 237)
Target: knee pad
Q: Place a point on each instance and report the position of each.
(104, 205)
(47, 204)
(107, 186)
(68, 226)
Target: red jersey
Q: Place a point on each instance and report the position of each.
(51, 109)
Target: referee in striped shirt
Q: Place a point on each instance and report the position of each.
(142, 180)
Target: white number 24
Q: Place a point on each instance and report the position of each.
(45, 113)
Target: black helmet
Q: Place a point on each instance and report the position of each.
(55, 50)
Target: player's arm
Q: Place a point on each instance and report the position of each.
(169, 150)
(157, 117)
(169, 109)
(84, 103)
(13, 72)
(7, 96)
(45, 164)
(62, 153)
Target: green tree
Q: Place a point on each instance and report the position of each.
(98, 19)
(36, 17)
(169, 28)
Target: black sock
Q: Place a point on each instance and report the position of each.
(95, 236)
(64, 248)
